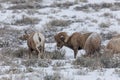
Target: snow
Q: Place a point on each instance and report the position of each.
(84, 24)
(101, 1)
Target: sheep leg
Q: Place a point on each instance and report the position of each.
(75, 52)
(39, 54)
(30, 53)
(87, 53)
(43, 48)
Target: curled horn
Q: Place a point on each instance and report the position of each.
(62, 38)
(66, 39)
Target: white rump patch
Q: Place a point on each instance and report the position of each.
(36, 39)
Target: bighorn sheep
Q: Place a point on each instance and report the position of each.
(89, 41)
(114, 44)
(35, 42)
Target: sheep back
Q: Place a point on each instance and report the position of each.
(35, 40)
(92, 43)
(74, 40)
(114, 44)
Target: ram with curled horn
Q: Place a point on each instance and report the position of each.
(90, 42)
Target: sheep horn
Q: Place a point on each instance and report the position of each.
(62, 38)
(66, 39)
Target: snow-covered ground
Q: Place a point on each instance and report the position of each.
(81, 17)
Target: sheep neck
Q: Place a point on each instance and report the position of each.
(68, 44)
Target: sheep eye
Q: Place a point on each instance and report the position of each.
(58, 42)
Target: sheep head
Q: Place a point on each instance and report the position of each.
(61, 38)
(25, 36)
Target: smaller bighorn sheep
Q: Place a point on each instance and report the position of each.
(114, 44)
(92, 44)
(35, 42)
(89, 41)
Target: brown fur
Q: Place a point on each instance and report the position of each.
(76, 41)
(114, 45)
(31, 43)
(92, 44)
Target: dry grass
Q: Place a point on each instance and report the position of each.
(17, 1)
(108, 36)
(83, 0)
(36, 63)
(108, 15)
(82, 72)
(22, 6)
(116, 6)
(24, 1)
(65, 5)
(26, 21)
(26, 6)
(55, 76)
(18, 53)
(49, 32)
(23, 53)
(105, 25)
(106, 60)
(83, 8)
(58, 64)
(58, 22)
(9, 37)
(94, 6)
(56, 54)
(54, 26)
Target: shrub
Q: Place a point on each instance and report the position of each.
(110, 15)
(94, 6)
(19, 53)
(9, 37)
(36, 62)
(55, 76)
(66, 4)
(26, 21)
(106, 60)
(56, 54)
(23, 1)
(58, 22)
(58, 64)
(105, 24)
(54, 26)
(92, 63)
(83, 0)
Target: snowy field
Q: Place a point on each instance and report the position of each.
(51, 17)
